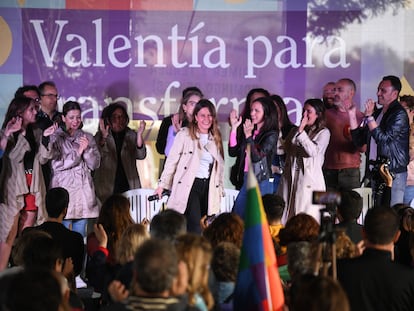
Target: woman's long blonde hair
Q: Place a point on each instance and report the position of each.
(132, 238)
(196, 251)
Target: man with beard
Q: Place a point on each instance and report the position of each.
(342, 158)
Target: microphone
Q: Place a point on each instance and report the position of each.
(155, 196)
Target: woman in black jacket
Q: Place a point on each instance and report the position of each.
(261, 133)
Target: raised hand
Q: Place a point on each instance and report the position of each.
(140, 131)
(303, 122)
(13, 126)
(176, 123)
(369, 107)
(104, 128)
(83, 144)
(50, 130)
(248, 128)
(235, 120)
(101, 235)
(141, 127)
(117, 291)
(67, 268)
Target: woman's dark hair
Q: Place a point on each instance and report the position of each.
(247, 105)
(16, 108)
(286, 125)
(270, 116)
(319, 107)
(109, 110)
(70, 105)
(192, 89)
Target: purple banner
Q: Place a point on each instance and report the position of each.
(145, 59)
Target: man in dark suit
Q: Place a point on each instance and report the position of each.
(374, 281)
(57, 200)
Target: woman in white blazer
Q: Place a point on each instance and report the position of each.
(305, 148)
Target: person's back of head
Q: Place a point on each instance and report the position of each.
(381, 225)
(302, 258)
(155, 266)
(115, 217)
(301, 227)
(131, 239)
(35, 290)
(273, 205)
(196, 251)
(351, 205)
(225, 261)
(228, 227)
(168, 225)
(317, 293)
(344, 246)
(57, 200)
(42, 252)
(23, 241)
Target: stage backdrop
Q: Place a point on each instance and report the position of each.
(143, 53)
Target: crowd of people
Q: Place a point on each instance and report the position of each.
(63, 214)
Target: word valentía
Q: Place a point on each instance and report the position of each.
(203, 50)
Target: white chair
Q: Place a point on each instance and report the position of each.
(227, 201)
(142, 208)
(367, 202)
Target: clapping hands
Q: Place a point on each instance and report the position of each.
(248, 127)
(14, 125)
(83, 144)
(50, 130)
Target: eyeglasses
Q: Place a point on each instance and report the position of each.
(51, 95)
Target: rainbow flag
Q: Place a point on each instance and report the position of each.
(258, 285)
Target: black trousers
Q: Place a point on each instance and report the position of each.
(197, 204)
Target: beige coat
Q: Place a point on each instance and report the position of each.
(13, 184)
(180, 171)
(303, 173)
(104, 176)
(73, 171)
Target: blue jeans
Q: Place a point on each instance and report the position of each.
(266, 187)
(408, 194)
(77, 225)
(276, 181)
(398, 188)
